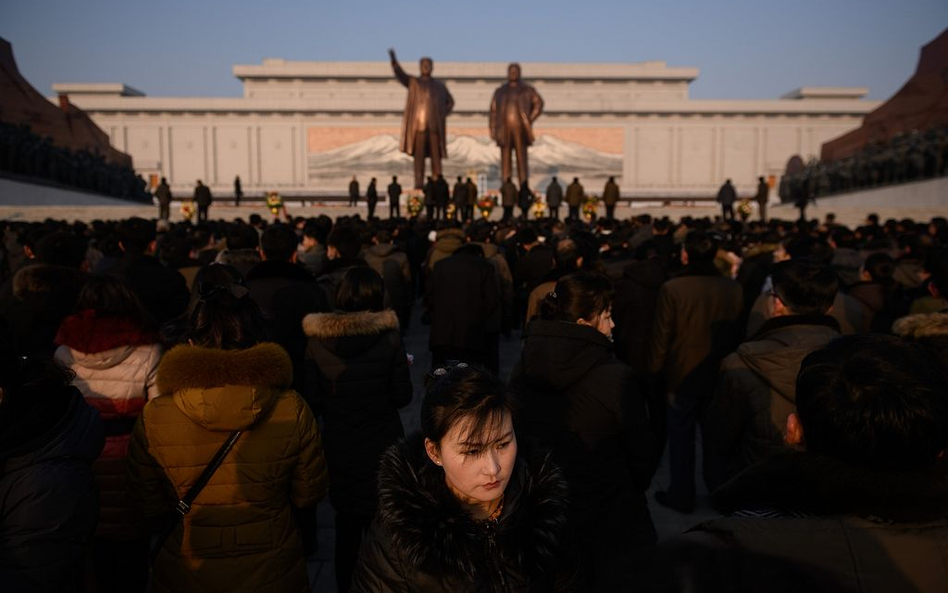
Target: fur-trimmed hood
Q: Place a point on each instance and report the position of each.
(360, 323)
(922, 326)
(42, 279)
(225, 389)
(433, 534)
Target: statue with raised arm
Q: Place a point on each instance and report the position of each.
(423, 127)
(513, 110)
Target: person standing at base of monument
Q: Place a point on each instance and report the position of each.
(202, 195)
(442, 193)
(726, 197)
(459, 196)
(394, 194)
(429, 198)
(163, 193)
(763, 192)
(525, 199)
(574, 197)
(508, 198)
(371, 197)
(424, 128)
(354, 191)
(238, 191)
(554, 197)
(513, 110)
(610, 196)
(471, 199)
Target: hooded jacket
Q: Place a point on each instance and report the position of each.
(928, 329)
(115, 362)
(579, 401)
(48, 498)
(240, 534)
(422, 539)
(870, 531)
(357, 371)
(756, 392)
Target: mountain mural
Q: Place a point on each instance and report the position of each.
(379, 156)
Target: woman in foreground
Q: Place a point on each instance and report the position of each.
(461, 510)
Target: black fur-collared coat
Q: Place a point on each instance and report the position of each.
(423, 540)
(356, 379)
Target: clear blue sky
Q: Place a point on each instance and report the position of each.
(743, 49)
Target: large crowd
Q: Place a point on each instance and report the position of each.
(176, 398)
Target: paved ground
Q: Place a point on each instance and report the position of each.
(667, 522)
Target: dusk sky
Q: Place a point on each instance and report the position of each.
(742, 49)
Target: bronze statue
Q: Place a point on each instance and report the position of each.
(423, 127)
(512, 111)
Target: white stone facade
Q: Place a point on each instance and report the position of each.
(303, 128)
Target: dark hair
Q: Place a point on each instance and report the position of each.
(880, 268)
(61, 248)
(223, 315)
(242, 236)
(278, 243)
(458, 392)
(581, 295)
(110, 296)
(805, 287)
(565, 254)
(346, 241)
(136, 234)
(700, 246)
(361, 289)
(874, 400)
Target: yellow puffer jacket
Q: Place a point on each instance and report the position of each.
(240, 534)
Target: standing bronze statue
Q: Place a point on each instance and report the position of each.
(423, 127)
(513, 110)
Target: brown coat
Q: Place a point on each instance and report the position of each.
(694, 328)
(240, 534)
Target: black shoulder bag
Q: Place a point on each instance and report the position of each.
(184, 505)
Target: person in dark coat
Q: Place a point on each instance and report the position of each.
(391, 263)
(238, 191)
(354, 191)
(471, 199)
(579, 401)
(574, 198)
(525, 199)
(463, 510)
(442, 193)
(726, 197)
(763, 194)
(343, 248)
(463, 297)
(357, 378)
(429, 192)
(394, 194)
(756, 391)
(285, 293)
(554, 197)
(508, 198)
(459, 197)
(162, 290)
(371, 197)
(49, 503)
(163, 194)
(865, 502)
(610, 197)
(696, 325)
(203, 198)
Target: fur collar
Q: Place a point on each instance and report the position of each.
(360, 323)
(86, 332)
(923, 325)
(433, 533)
(822, 485)
(186, 366)
(44, 278)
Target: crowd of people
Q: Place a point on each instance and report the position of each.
(908, 156)
(185, 394)
(25, 153)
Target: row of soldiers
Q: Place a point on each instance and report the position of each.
(909, 156)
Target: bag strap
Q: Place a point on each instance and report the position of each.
(184, 505)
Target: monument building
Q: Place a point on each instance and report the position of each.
(305, 128)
